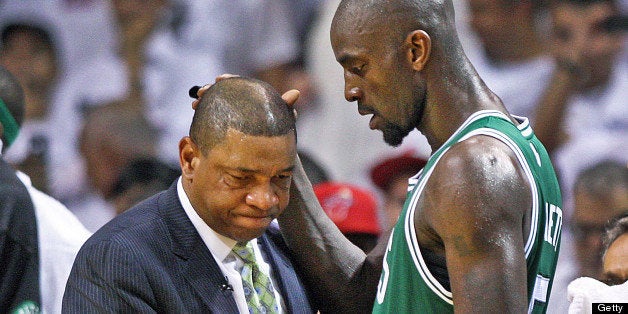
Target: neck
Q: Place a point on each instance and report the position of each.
(454, 92)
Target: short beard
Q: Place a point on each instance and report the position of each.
(394, 134)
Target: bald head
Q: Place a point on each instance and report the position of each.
(397, 18)
(247, 105)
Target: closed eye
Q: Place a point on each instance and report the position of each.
(357, 70)
(236, 181)
(283, 181)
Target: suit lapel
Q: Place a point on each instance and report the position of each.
(197, 265)
(290, 286)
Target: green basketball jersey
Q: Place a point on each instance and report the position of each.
(407, 285)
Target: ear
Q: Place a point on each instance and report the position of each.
(188, 157)
(419, 46)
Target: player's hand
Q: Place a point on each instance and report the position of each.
(290, 97)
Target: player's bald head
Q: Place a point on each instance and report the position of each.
(395, 18)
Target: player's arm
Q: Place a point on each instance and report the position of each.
(475, 202)
(341, 276)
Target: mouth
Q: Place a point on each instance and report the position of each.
(258, 217)
(256, 221)
(363, 110)
(374, 119)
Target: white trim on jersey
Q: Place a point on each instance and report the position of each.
(413, 244)
(524, 126)
(472, 118)
(528, 172)
(421, 179)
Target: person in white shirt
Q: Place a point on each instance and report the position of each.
(59, 233)
(511, 57)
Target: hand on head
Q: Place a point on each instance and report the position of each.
(290, 97)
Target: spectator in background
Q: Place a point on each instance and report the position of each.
(585, 292)
(512, 59)
(601, 193)
(254, 38)
(582, 117)
(140, 178)
(112, 136)
(391, 176)
(615, 251)
(82, 28)
(39, 237)
(147, 68)
(354, 211)
(29, 52)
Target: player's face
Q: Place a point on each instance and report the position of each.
(242, 184)
(377, 78)
(615, 266)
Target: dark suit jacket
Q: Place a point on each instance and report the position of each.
(19, 254)
(152, 259)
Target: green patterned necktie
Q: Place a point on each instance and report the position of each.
(258, 288)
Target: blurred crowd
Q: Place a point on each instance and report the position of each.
(106, 85)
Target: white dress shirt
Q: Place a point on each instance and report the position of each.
(220, 248)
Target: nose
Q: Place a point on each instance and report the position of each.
(263, 197)
(352, 93)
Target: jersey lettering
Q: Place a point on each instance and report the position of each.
(553, 224)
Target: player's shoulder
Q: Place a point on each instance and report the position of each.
(477, 173)
(476, 184)
(480, 158)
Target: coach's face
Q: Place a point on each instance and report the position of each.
(240, 185)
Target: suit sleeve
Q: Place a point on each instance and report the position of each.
(107, 277)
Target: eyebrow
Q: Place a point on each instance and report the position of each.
(247, 170)
(346, 58)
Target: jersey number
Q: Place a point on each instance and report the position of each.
(383, 280)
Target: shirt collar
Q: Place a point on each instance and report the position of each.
(219, 245)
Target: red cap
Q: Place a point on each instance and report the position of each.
(383, 173)
(351, 208)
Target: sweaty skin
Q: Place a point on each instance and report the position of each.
(476, 204)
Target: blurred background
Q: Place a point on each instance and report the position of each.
(107, 81)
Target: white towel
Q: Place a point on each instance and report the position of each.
(585, 291)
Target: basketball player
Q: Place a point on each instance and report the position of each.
(480, 229)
